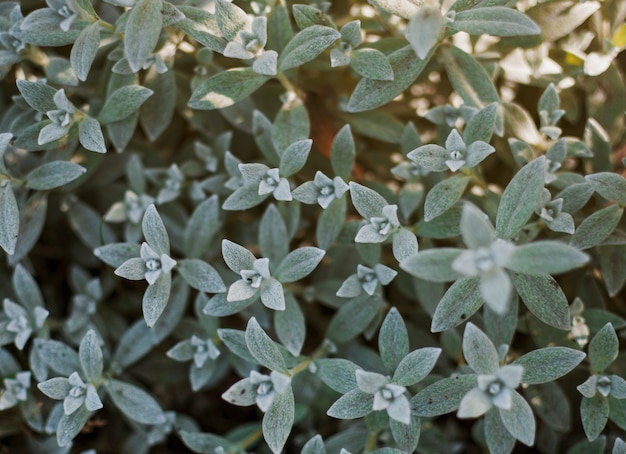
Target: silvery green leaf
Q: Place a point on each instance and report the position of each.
(114, 254)
(158, 110)
(90, 135)
(603, 349)
(155, 298)
(244, 198)
(469, 78)
(479, 351)
(204, 442)
(494, 20)
(262, 132)
(58, 71)
(619, 447)
(52, 132)
(404, 245)
(237, 257)
(219, 306)
(123, 102)
(430, 157)
(141, 35)
(393, 340)
(342, 153)
(337, 373)
(497, 437)
(90, 355)
(443, 396)
(551, 404)
(299, 263)
(263, 348)
(53, 175)
(519, 420)
(200, 275)
(367, 202)
(351, 287)
(84, 50)
(316, 444)
(611, 186)
(520, 198)
(549, 100)
(403, 8)
(307, 193)
(291, 125)
(278, 420)
(57, 356)
(183, 351)
(433, 264)
(597, 227)
(70, 425)
(55, 388)
(230, 19)
(370, 94)
(10, 225)
(481, 126)
(266, 64)
(458, 304)
(415, 366)
(201, 228)
(443, 195)
(236, 342)
(226, 88)
(353, 317)
(544, 298)
(38, 95)
(306, 45)
(618, 387)
(548, 364)
(594, 413)
(352, 405)
(294, 157)
(371, 64)
(26, 289)
(424, 30)
(330, 223)
(273, 235)
(154, 231)
(405, 435)
(289, 326)
(545, 257)
(135, 403)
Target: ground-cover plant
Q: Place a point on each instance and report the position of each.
(305, 226)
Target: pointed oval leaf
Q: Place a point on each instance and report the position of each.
(53, 174)
(226, 88)
(123, 102)
(299, 263)
(519, 420)
(458, 304)
(84, 50)
(306, 45)
(135, 403)
(479, 351)
(263, 348)
(443, 195)
(548, 364)
(142, 32)
(393, 340)
(10, 215)
(278, 421)
(443, 396)
(494, 20)
(593, 230)
(200, 275)
(544, 298)
(603, 349)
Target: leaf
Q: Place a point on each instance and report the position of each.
(593, 230)
(393, 340)
(330, 223)
(479, 351)
(353, 317)
(481, 125)
(84, 50)
(123, 102)
(551, 405)
(544, 298)
(135, 403)
(142, 32)
(114, 254)
(404, 245)
(594, 413)
(203, 442)
(155, 299)
(42, 27)
(32, 220)
(237, 257)
(342, 153)
(402, 8)
(416, 366)
(370, 94)
(263, 348)
(354, 404)
(558, 18)
(306, 45)
(458, 304)
(367, 202)
(611, 186)
(290, 326)
(406, 436)
(443, 396)
(90, 135)
(337, 373)
(226, 88)
(278, 420)
(58, 356)
(519, 420)
(433, 264)
(299, 264)
(294, 157)
(90, 355)
(38, 95)
(372, 64)
(468, 78)
(70, 425)
(158, 110)
(425, 29)
(230, 19)
(316, 444)
(520, 198)
(201, 228)
(494, 20)
(10, 215)
(545, 257)
(498, 439)
(443, 195)
(53, 175)
(548, 364)
(291, 125)
(603, 349)
(200, 275)
(273, 235)
(613, 266)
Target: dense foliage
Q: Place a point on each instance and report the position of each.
(387, 226)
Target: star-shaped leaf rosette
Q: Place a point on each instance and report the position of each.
(152, 261)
